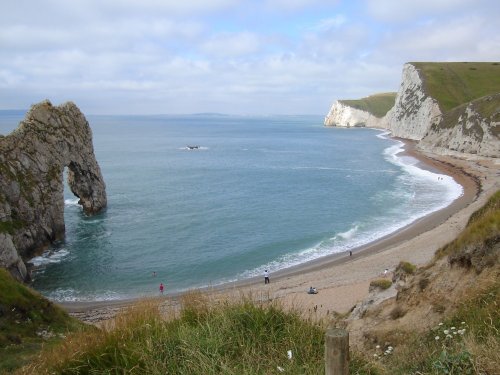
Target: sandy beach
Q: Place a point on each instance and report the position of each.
(343, 280)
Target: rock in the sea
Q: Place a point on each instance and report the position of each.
(32, 161)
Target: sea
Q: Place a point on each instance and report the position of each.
(258, 192)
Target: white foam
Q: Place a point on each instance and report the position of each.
(49, 257)
(71, 202)
(347, 235)
(72, 295)
(438, 190)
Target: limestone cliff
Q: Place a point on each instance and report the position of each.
(369, 111)
(32, 161)
(449, 107)
(414, 109)
(473, 128)
(346, 116)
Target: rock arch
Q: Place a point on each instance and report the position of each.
(32, 161)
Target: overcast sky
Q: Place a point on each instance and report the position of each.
(228, 56)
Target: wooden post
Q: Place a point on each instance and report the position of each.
(337, 352)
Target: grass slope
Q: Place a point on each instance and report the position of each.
(378, 104)
(27, 320)
(206, 337)
(456, 83)
(467, 340)
(244, 337)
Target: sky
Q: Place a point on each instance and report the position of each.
(248, 57)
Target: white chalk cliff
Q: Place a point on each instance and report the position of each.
(343, 115)
(469, 128)
(414, 110)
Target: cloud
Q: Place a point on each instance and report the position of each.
(296, 5)
(403, 10)
(231, 44)
(327, 24)
(211, 56)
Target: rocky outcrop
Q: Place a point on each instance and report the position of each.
(414, 110)
(344, 115)
(473, 128)
(32, 161)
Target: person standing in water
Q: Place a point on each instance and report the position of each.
(161, 288)
(266, 277)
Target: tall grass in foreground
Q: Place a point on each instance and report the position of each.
(203, 338)
(206, 338)
(466, 343)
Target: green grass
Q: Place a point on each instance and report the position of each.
(204, 338)
(24, 315)
(476, 350)
(407, 267)
(482, 230)
(455, 83)
(381, 283)
(378, 104)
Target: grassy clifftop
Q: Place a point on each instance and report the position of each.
(455, 83)
(27, 320)
(378, 104)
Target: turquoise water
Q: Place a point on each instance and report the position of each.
(260, 192)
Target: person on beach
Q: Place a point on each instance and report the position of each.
(161, 288)
(266, 277)
(350, 253)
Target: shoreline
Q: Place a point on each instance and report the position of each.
(290, 284)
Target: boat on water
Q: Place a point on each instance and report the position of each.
(195, 147)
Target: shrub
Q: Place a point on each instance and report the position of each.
(397, 312)
(381, 284)
(407, 267)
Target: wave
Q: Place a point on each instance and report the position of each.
(71, 202)
(49, 257)
(73, 295)
(419, 192)
(347, 235)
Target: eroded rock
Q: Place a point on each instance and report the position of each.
(32, 161)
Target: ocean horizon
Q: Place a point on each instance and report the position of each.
(257, 192)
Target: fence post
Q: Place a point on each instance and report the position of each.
(336, 352)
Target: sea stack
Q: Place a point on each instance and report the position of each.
(32, 163)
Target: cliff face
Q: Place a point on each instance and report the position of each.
(32, 161)
(414, 110)
(343, 115)
(473, 128)
(470, 92)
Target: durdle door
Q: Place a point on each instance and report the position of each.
(32, 161)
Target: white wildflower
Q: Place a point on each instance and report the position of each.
(446, 331)
(453, 328)
(449, 336)
(462, 323)
(440, 324)
(281, 369)
(377, 347)
(375, 355)
(436, 338)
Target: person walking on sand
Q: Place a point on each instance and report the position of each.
(161, 288)
(266, 277)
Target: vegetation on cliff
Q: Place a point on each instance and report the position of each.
(456, 83)
(445, 318)
(27, 320)
(377, 104)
